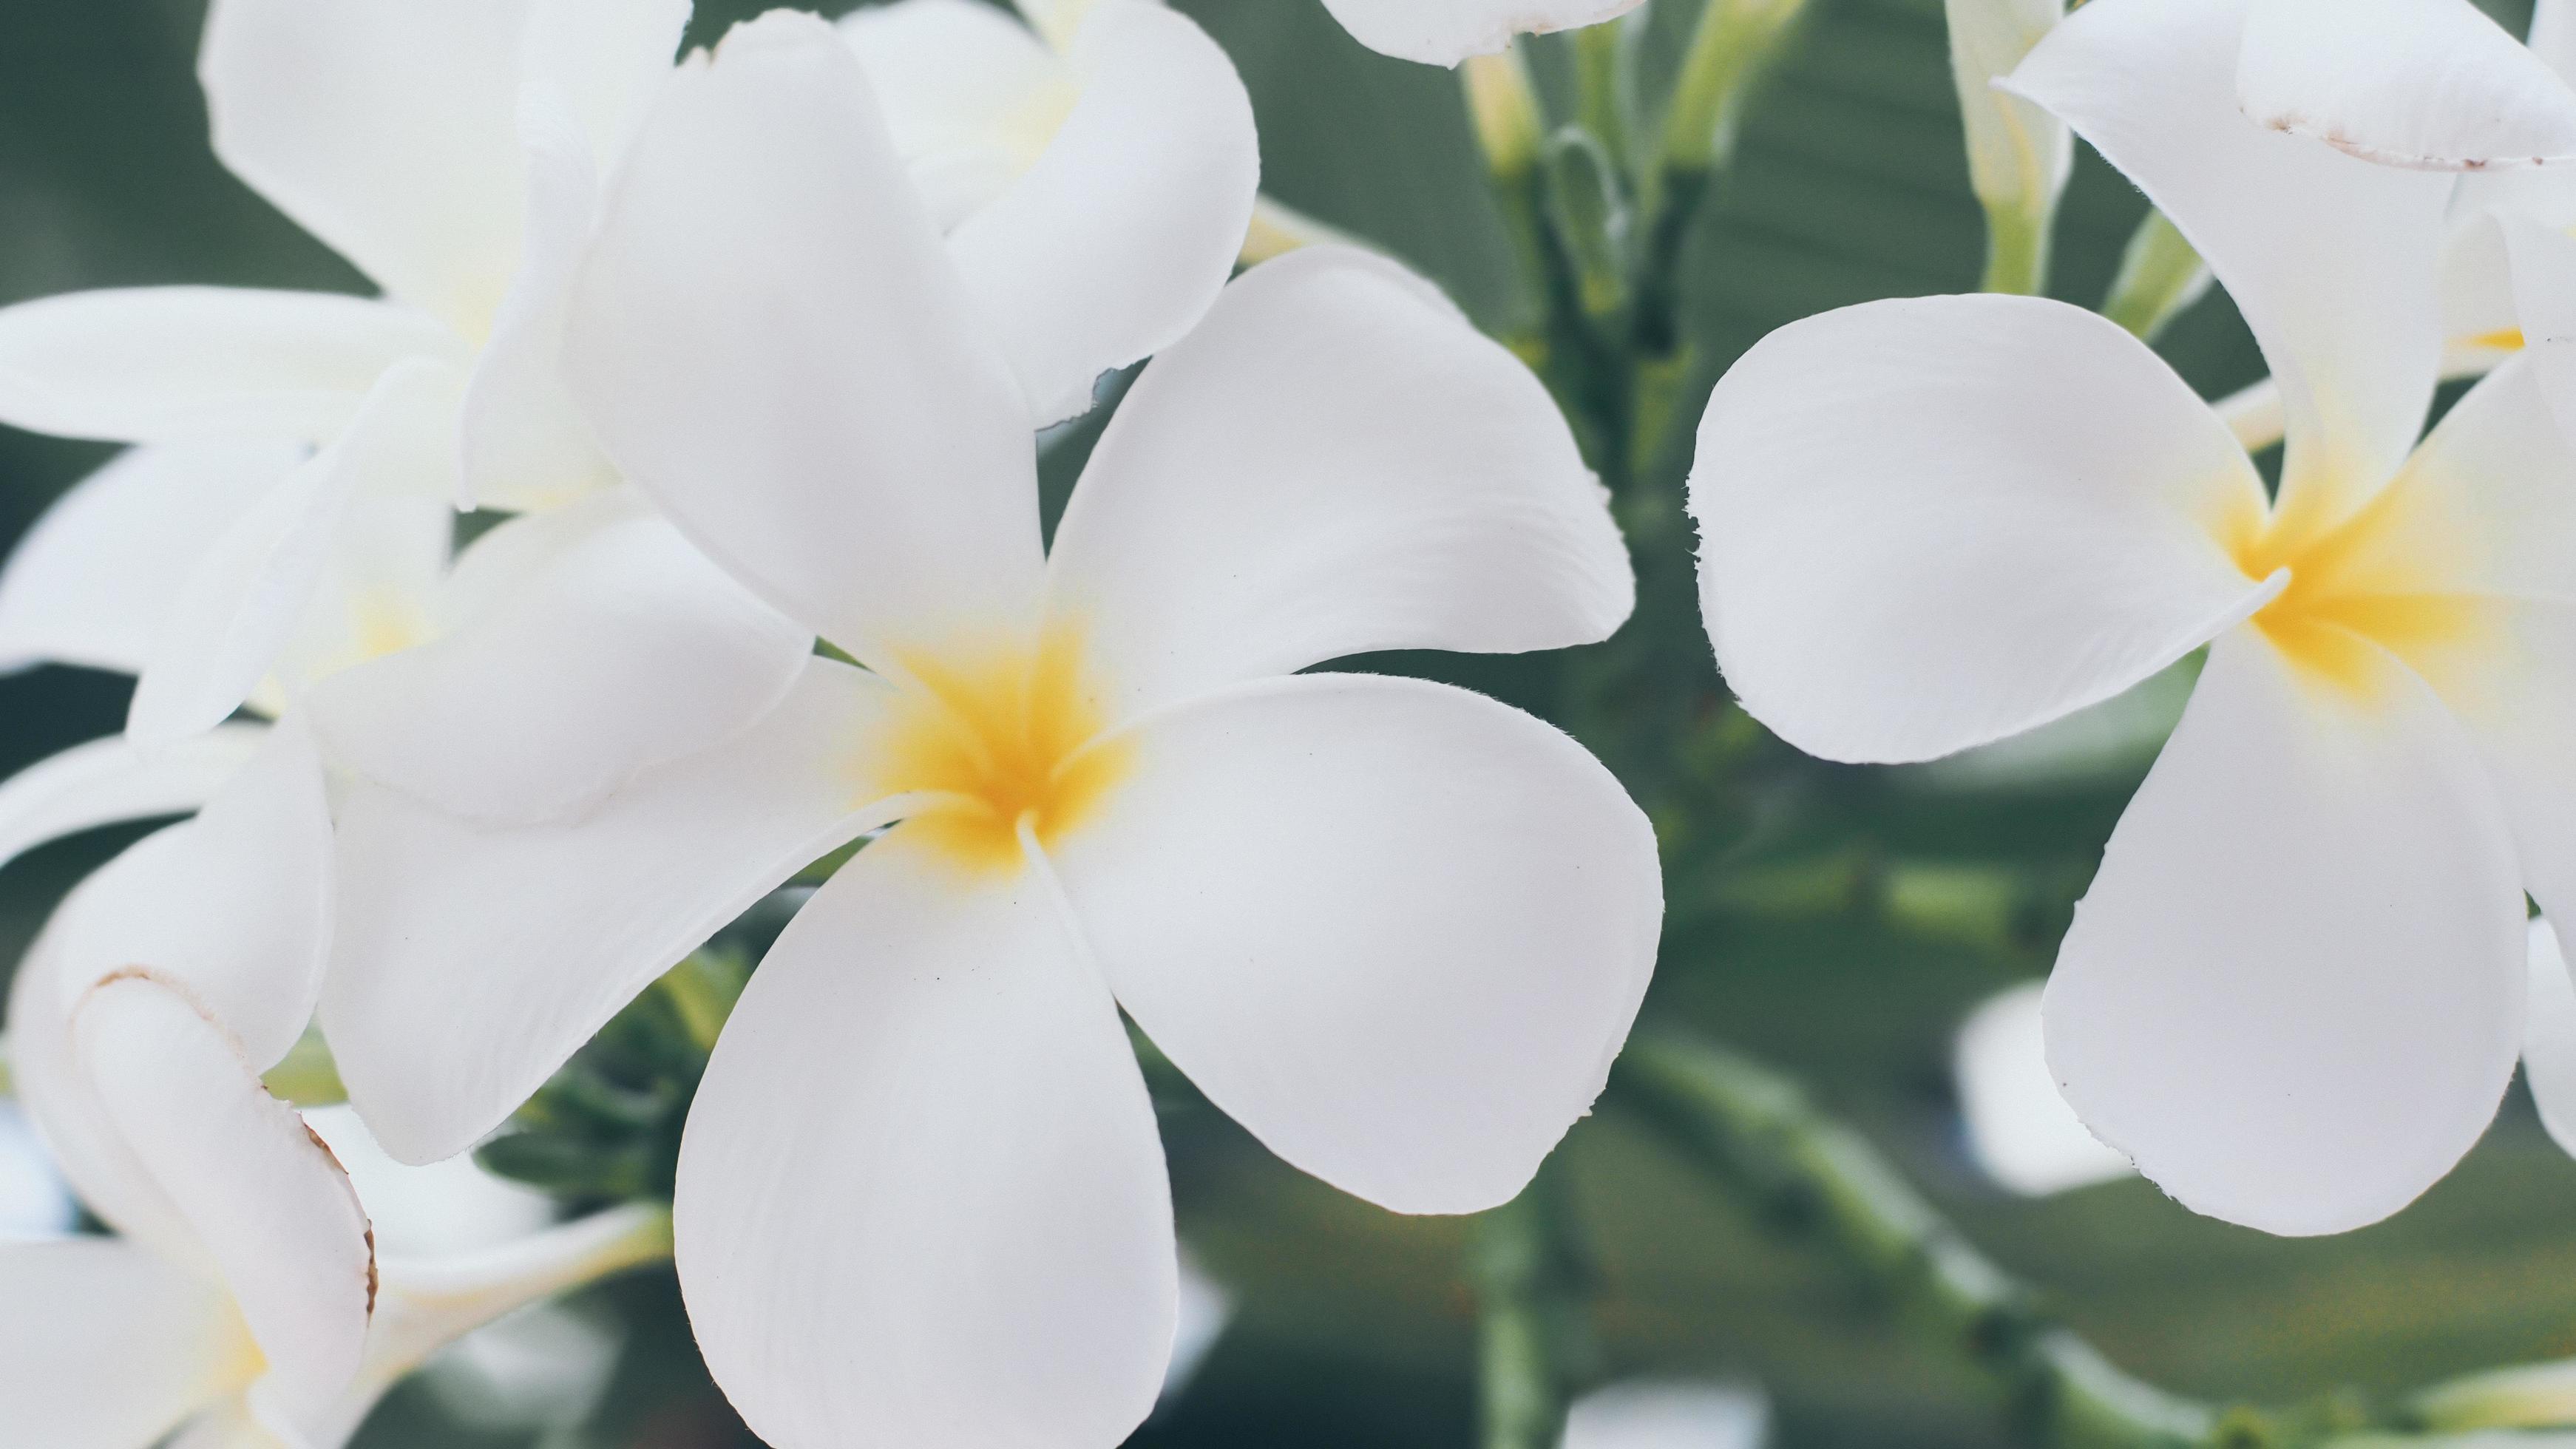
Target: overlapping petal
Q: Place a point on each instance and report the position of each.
(386, 129)
(108, 780)
(191, 364)
(97, 576)
(241, 605)
(971, 96)
(602, 60)
(233, 905)
(1445, 32)
(265, 1197)
(2432, 84)
(2294, 993)
(2333, 260)
(2027, 524)
(469, 962)
(2542, 267)
(2020, 1129)
(771, 340)
(530, 712)
(922, 1198)
(2549, 1037)
(1334, 462)
(1395, 929)
(109, 1346)
(1117, 239)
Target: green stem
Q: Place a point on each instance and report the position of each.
(1600, 85)
(1728, 51)
(1819, 1179)
(2016, 250)
(2160, 274)
(1532, 1334)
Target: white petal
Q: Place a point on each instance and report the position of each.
(2019, 1127)
(1117, 240)
(2024, 524)
(2294, 993)
(921, 1199)
(526, 941)
(271, 1205)
(234, 904)
(384, 128)
(603, 59)
(771, 341)
(1643, 1414)
(971, 97)
(628, 651)
(241, 604)
(445, 1210)
(1395, 929)
(96, 577)
(105, 1346)
(2553, 35)
(35, 1200)
(1334, 462)
(2434, 84)
(2332, 260)
(2543, 273)
(1445, 32)
(108, 780)
(157, 364)
(381, 591)
(525, 444)
(2549, 1038)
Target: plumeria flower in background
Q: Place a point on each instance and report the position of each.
(2295, 991)
(1677, 1414)
(453, 153)
(1394, 928)
(1445, 32)
(2019, 1129)
(247, 1299)
(1093, 169)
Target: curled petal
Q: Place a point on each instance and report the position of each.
(2432, 84)
(959, 1231)
(971, 96)
(2334, 261)
(1116, 241)
(527, 940)
(2027, 524)
(1445, 32)
(1395, 929)
(267, 1200)
(2294, 993)
(192, 364)
(772, 342)
(97, 576)
(1334, 462)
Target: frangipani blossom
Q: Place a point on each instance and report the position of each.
(244, 1301)
(1648, 1414)
(453, 153)
(1445, 32)
(1394, 928)
(2295, 991)
(1094, 171)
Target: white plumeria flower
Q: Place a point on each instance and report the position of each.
(2295, 991)
(1651, 1414)
(2019, 1128)
(452, 153)
(1094, 171)
(1445, 32)
(1396, 929)
(244, 1301)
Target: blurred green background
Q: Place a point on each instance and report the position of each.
(1353, 1327)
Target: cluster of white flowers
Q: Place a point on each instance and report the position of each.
(754, 349)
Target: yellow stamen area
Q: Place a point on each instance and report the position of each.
(993, 736)
(2378, 575)
(2503, 339)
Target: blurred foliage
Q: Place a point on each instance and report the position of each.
(1835, 922)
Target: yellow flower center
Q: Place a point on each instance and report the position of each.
(2375, 576)
(996, 739)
